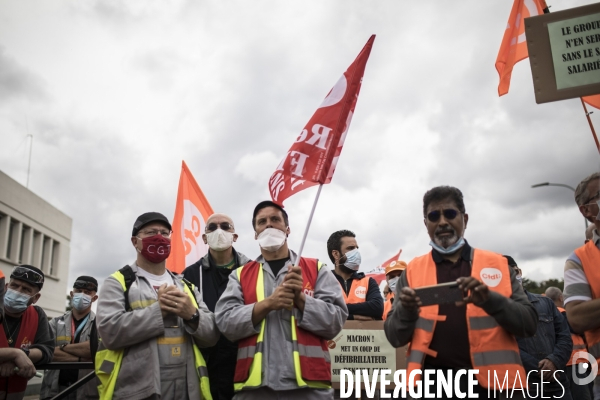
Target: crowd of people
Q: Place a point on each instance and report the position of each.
(232, 327)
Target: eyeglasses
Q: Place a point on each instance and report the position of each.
(85, 285)
(449, 213)
(592, 200)
(26, 274)
(154, 232)
(213, 226)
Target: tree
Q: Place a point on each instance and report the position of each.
(540, 287)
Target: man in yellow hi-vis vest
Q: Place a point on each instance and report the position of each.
(282, 310)
(151, 324)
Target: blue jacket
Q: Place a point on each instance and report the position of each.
(552, 339)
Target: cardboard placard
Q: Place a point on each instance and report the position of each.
(564, 53)
(364, 345)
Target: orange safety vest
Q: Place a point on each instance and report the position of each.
(29, 324)
(358, 291)
(387, 306)
(578, 343)
(589, 255)
(310, 352)
(492, 348)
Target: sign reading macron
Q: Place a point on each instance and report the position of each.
(361, 349)
(575, 45)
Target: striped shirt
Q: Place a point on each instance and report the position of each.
(577, 286)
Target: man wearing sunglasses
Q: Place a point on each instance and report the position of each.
(25, 328)
(476, 333)
(151, 324)
(211, 274)
(582, 275)
(73, 332)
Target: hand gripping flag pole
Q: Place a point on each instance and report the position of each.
(314, 155)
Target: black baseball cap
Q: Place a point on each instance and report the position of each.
(511, 261)
(29, 274)
(146, 218)
(86, 282)
(265, 204)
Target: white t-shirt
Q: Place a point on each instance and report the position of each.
(156, 281)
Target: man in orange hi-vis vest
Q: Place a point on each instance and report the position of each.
(392, 275)
(476, 333)
(282, 310)
(361, 293)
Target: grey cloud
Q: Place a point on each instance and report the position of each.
(17, 82)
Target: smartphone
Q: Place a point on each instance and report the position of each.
(443, 293)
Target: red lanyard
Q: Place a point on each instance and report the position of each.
(72, 329)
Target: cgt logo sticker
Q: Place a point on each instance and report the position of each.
(491, 276)
(360, 292)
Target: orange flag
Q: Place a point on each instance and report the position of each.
(191, 212)
(593, 101)
(514, 46)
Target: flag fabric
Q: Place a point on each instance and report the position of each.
(514, 46)
(391, 260)
(593, 101)
(312, 158)
(191, 212)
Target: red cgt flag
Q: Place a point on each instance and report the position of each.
(593, 101)
(191, 212)
(514, 46)
(391, 260)
(312, 158)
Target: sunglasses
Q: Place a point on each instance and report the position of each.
(85, 285)
(449, 213)
(213, 226)
(27, 275)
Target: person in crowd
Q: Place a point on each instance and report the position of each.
(361, 293)
(386, 292)
(72, 332)
(392, 276)
(546, 353)
(475, 333)
(282, 309)
(25, 331)
(577, 391)
(211, 274)
(582, 275)
(151, 324)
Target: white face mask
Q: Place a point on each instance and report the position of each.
(271, 239)
(219, 239)
(353, 259)
(392, 284)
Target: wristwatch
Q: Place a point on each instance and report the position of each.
(25, 350)
(195, 317)
(62, 346)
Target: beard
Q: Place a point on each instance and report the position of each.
(345, 269)
(445, 241)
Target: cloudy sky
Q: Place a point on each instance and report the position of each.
(117, 94)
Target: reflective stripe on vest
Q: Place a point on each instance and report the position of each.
(387, 307)
(589, 255)
(108, 362)
(310, 353)
(358, 291)
(29, 323)
(492, 348)
(578, 343)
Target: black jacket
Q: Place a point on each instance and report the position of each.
(373, 304)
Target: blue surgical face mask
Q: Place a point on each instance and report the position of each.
(352, 259)
(392, 284)
(81, 301)
(15, 302)
(450, 250)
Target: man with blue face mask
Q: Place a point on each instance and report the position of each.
(73, 331)
(25, 328)
(361, 293)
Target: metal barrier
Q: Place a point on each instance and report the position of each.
(70, 365)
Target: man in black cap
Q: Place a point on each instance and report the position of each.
(73, 331)
(151, 324)
(25, 328)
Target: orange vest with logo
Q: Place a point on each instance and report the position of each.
(358, 291)
(27, 331)
(387, 306)
(578, 343)
(589, 255)
(314, 361)
(492, 348)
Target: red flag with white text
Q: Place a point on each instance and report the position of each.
(191, 212)
(313, 157)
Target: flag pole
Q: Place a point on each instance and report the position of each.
(312, 212)
(587, 115)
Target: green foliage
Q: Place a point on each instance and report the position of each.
(540, 287)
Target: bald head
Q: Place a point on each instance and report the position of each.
(555, 294)
(218, 218)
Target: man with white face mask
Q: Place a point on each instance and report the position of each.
(25, 329)
(211, 274)
(282, 310)
(361, 293)
(73, 331)
(392, 275)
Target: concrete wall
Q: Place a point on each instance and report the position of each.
(34, 232)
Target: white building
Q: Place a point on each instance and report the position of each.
(34, 232)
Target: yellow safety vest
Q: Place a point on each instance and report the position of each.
(108, 362)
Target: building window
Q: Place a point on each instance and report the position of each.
(55, 258)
